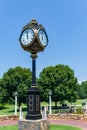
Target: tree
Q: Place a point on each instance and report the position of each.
(2, 91)
(83, 90)
(61, 81)
(15, 79)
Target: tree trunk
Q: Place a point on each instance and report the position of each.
(55, 104)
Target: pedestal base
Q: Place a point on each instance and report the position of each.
(33, 124)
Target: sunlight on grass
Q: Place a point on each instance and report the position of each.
(13, 127)
(9, 109)
(51, 127)
(63, 127)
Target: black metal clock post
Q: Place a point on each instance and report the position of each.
(33, 70)
(33, 39)
(33, 102)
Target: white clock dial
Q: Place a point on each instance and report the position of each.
(43, 37)
(27, 36)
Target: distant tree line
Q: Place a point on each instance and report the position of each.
(59, 79)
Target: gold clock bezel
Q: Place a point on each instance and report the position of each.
(39, 39)
(23, 45)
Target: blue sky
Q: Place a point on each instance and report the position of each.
(65, 22)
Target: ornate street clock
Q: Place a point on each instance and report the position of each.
(33, 39)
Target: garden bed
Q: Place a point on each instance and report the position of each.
(67, 116)
(8, 117)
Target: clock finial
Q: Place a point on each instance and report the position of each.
(34, 21)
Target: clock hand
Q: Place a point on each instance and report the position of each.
(27, 35)
(42, 37)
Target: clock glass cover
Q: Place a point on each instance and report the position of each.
(27, 36)
(43, 37)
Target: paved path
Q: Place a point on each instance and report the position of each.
(8, 122)
(78, 123)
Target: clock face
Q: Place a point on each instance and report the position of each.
(43, 37)
(27, 36)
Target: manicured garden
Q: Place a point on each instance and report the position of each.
(10, 109)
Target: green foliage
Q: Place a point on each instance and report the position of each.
(46, 82)
(61, 81)
(79, 111)
(81, 92)
(84, 87)
(15, 79)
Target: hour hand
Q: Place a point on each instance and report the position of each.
(27, 35)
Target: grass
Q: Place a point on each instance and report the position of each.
(52, 127)
(12, 127)
(9, 109)
(78, 102)
(63, 127)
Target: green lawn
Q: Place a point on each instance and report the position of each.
(51, 127)
(80, 101)
(13, 127)
(9, 109)
(63, 127)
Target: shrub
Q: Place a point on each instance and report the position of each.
(79, 111)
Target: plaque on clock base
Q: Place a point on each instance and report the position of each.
(33, 124)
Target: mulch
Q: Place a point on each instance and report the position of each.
(78, 123)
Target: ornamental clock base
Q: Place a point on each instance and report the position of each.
(33, 104)
(33, 124)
